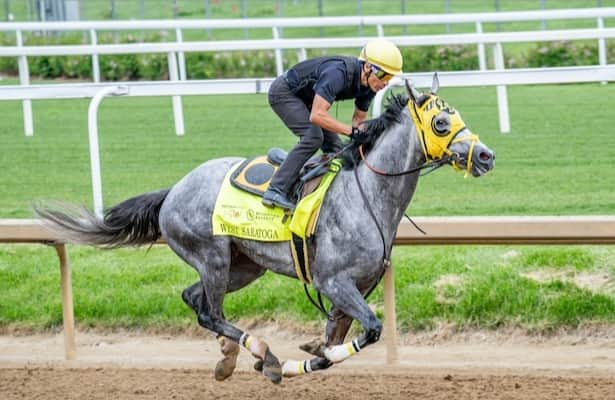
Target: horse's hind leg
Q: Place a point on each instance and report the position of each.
(212, 262)
(242, 272)
(193, 297)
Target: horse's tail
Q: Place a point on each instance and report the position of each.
(133, 222)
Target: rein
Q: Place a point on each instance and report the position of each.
(433, 165)
(429, 165)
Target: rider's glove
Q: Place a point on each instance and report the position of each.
(358, 136)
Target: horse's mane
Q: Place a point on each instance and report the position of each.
(375, 127)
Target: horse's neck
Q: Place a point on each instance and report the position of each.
(397, 150)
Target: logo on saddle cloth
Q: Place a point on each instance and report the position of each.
(239, 212)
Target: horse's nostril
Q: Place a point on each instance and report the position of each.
(484, 156)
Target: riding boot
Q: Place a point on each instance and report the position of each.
(288, 173)
(276, 197)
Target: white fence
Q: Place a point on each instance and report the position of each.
(276, 24)
(176, 50)
(172, 48)
(498, 77)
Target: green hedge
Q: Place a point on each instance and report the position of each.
(262, 63)
(564, 54)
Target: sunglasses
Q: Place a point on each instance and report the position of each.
(381, 74)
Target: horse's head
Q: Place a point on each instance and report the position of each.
(443, 134)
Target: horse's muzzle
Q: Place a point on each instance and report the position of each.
(483, 160)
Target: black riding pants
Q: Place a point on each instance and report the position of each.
(296, 116)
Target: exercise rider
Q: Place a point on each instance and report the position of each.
(303, 95)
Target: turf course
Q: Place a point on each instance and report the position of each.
(556, 161)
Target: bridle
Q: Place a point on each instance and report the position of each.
(430, 165)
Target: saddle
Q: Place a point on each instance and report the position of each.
(254, 174)
(241, 214)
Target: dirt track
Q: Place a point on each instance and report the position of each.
(112, 383)
(144, 367)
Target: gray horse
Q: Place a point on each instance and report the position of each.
(348, 253)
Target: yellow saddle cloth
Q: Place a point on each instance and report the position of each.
(241, 214)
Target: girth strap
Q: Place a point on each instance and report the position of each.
(299, 251)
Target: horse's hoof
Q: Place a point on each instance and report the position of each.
(316, 347)
(224, 369)
(258, 365)
(226, 366)
(272, 368)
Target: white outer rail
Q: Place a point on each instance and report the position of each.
(521, 76)
(502, 77)
(172, 48)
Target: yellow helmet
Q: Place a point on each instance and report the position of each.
(384, 54)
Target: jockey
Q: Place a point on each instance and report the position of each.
(303, 95)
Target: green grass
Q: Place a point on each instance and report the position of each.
(138, 289)
(490, 290)
(556, 161)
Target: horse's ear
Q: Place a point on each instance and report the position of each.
(435, 85)
(412, 92)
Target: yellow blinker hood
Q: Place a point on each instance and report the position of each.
(436, 144)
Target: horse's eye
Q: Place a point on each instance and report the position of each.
(441, 124)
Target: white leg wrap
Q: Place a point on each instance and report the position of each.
(341, 352)
(254, 345)
(292, 368)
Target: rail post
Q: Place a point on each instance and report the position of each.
(390, 316)
(68, 316)
(24, 79)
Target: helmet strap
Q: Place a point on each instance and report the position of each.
(369, 71)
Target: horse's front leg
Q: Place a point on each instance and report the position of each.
(346, 297)
(336, 331)
(350, 304)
